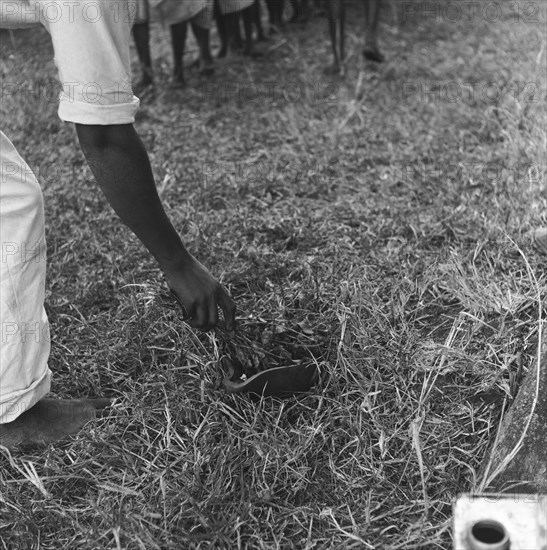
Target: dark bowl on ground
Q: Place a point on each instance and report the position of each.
(283, 381)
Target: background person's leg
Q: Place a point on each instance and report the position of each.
(24, 342)
(372, 18)
(221, 29)
(201, 34)
(336, 17)
(179, 32)
(275, 10)
(141, 35)
(248, 15)
(234, 32)
(257, 21)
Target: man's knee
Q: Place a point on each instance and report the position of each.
(21, 194)
(22, 221)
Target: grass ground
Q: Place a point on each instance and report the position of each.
(385, 221)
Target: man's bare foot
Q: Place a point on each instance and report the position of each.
(372, 53)
(50, 420)
(334, 70)
(178, 81)
(253, 53)
(205, 67)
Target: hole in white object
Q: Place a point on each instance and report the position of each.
(491, 534)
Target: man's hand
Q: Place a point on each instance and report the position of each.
(119, 161)
(200, 295)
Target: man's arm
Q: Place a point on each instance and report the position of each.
(121, 166)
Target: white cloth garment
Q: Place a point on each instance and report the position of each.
(91, 45)
(176, 11)
(232, 6)
(170, 12)
(24, 345)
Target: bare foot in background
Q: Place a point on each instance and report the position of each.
(50, 420)
(373, 53)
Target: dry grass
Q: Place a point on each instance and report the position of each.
(346, 221)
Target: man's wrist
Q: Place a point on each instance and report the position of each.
(174, 261)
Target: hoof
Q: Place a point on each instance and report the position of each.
(276, 382)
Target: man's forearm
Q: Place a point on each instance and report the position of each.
(121, 166)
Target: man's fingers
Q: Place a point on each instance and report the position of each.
(186, 314)
(100, 403)
(229, 308)
(199, 317)
(204, 315)
(213, 314)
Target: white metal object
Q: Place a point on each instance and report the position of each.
(500, 522)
